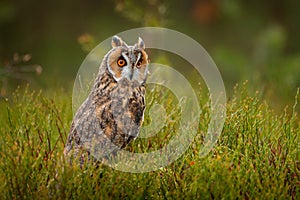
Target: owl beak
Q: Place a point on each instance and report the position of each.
(131, 73)
(130, 77)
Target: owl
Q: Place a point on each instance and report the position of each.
(112, 114)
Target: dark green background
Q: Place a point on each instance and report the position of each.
(249, 40)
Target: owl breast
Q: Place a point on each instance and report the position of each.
(119, 108)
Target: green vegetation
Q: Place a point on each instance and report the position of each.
(43, 43)
(257, 156)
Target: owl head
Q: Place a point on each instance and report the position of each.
(127, 62)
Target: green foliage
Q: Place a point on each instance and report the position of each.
(144, 12)
(16, 71)
(257, 155)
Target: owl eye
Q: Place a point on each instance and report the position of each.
(139, 63)
(121, 62)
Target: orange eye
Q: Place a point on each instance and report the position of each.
(121, 62)
(139, 63)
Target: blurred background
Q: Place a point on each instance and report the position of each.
(43, 43)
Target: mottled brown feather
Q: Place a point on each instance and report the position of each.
(111, 116)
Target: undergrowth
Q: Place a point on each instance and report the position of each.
(257, 156)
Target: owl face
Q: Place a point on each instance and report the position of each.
(127, 62)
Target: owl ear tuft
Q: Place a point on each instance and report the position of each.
(116, 41)
(141, 43)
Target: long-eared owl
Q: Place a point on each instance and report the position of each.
(112, 114)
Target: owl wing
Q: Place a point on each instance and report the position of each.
(137, 105)
(86, 134)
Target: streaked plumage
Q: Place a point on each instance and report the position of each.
(111, 116)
